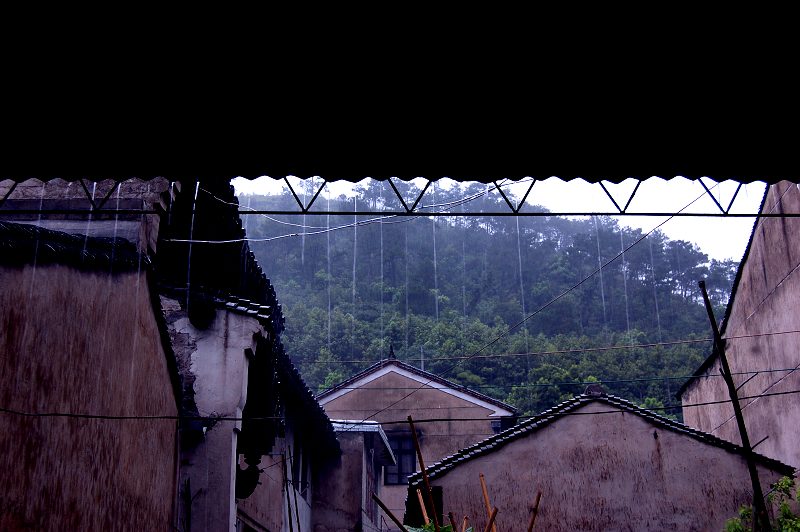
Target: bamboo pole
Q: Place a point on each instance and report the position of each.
(389, 513)
(486, 499)
(425, 518)
(490, 524)
(535, 511)
(452, 519)
(424, 474)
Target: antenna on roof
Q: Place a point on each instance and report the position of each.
(391, 352)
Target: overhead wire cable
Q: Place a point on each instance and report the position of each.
(546, 305)
(533, 353)
(368, 221)
(577, 383)
(563, 351)
(212, 418)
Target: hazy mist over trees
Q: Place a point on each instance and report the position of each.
(440, 288)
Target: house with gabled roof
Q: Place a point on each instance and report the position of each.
(600, 463)
(761, 331)
(447, 415)
(143, 384)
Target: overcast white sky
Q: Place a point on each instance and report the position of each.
(720, 238)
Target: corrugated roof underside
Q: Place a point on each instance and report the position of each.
(383, 174)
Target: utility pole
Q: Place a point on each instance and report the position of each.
(761, 521)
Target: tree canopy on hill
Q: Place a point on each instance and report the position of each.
(453, 291)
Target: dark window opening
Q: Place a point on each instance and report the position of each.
(300, 471)
(403, 448)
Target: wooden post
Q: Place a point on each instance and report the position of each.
(452, 521)
(762, 519)
(490, 524)
(425, 518)
(535, 511)
(424, 474)
(389, 513)
(486, 499)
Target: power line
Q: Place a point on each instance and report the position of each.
(215, 419)
(449, 205)
(559, 351)
(238, 206)
(548, 304)
(532, 353)
(597, 412)
(576, 383)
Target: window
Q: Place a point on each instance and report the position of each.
(403, 448)
(300, 470)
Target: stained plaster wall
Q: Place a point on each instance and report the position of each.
(276, 501)
(87, 343)
(437, 439)
(267, 505)
(344, 498)
(214, 361)
(767, 300)
(602, 472)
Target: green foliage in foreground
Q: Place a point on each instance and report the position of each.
(430, 528)
(785, 521)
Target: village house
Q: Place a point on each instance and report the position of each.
(762, 342)
(144, 384)
(383, 393)
(599, 463)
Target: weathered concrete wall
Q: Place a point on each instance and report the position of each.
(276, 501)
(83, 343)
(340, 487)
(438, 439)
(767, 300)
(602, 472)
(267, 505)
(214, 360)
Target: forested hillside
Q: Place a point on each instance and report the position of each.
(451, 293)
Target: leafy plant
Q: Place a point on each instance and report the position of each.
(786, 521)
(430, 528)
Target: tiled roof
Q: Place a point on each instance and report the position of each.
(267, 315)
(313, 415)
(292, 385)
(22, 244)
(547, 417)
(421, 373)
